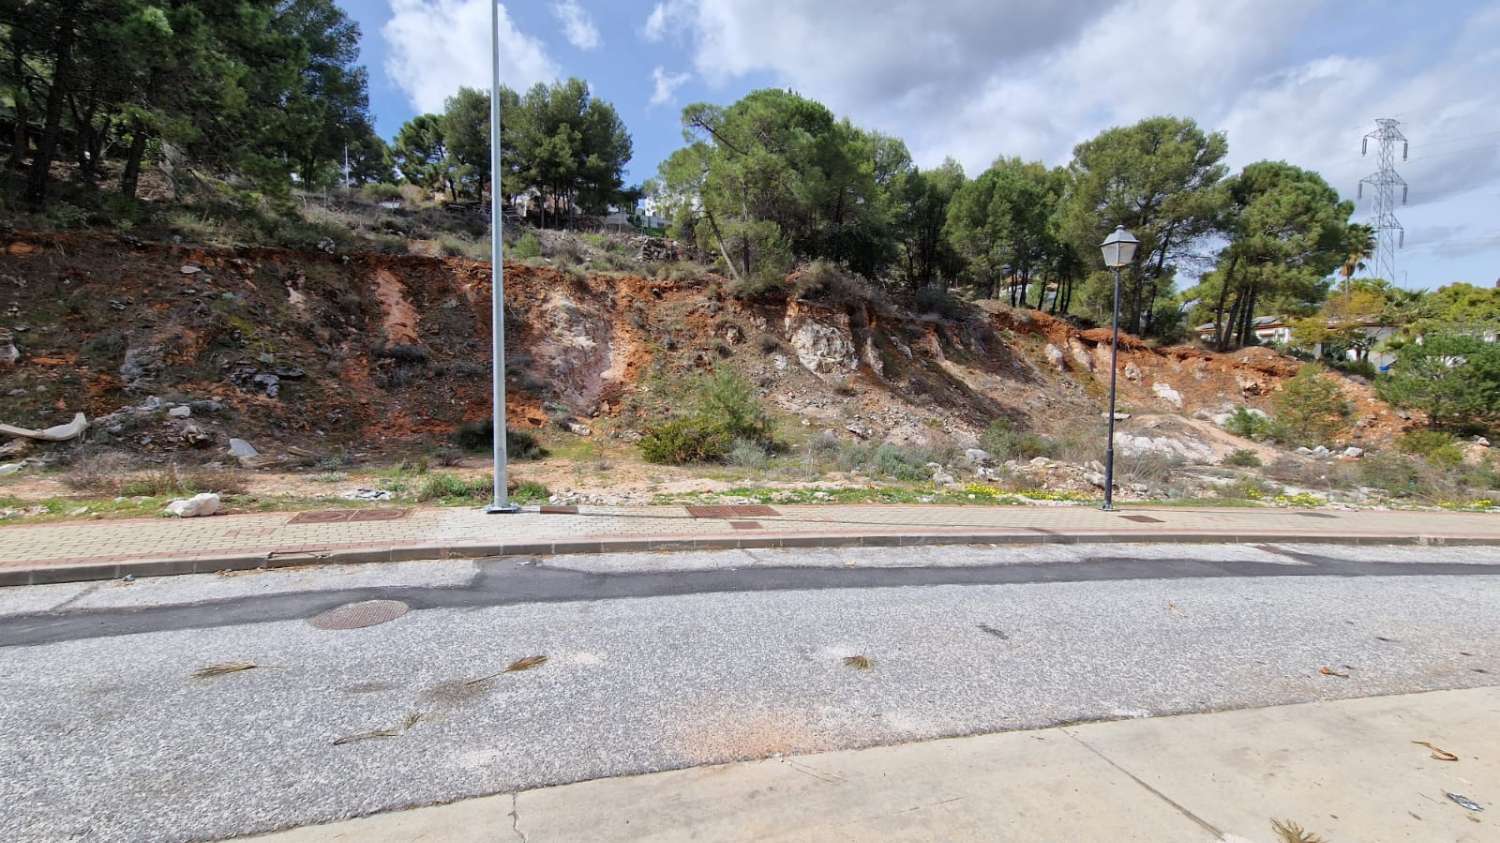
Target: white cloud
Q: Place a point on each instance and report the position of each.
(578, 25)
(979, 78)
(668, 15)
(666, 84)
(436, 46)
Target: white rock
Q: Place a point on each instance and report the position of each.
(1055, 357)
(1353, 452)
(976, 457)
(1481, 441)
(195, 507)
(1305, 451)
(240, 449)
(1321, 451)
(9, 468)
(190, 269)
(943, 478)
(1165, 392)
(577, 428)
(1132, 372)
(181, 412)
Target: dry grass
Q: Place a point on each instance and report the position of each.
(1290, 832)
(859, 662)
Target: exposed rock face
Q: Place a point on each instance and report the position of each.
(1132, 372)
(1130, 445)
(823, 342)
(1080, 354)
(1165, 392)
(8, 353)
(141, 365)
(1055, 357)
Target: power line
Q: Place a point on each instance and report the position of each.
(1389, 235)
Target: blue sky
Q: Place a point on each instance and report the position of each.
(1298, 80)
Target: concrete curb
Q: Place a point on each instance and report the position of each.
(240, 561)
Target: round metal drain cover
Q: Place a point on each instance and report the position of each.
(356, 615)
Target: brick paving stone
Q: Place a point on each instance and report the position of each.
(95, 542)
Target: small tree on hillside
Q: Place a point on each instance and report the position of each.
(1310, 409)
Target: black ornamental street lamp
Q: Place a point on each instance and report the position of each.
(1119, 250)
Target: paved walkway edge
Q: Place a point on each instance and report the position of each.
(1343, 770)
(175, 565)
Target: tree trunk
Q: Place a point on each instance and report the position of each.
(132, 174)
(22, 139)
(62, 78)
(1219, 308)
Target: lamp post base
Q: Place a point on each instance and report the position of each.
(501, 509)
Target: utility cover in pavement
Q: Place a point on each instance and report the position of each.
(1315, 515)
(735, 511)
(356, 615)
(1144, 519)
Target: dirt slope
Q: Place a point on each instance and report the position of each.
(383, 353)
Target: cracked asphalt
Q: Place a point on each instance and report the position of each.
(669, 660)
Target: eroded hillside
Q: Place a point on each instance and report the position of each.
(319, 352)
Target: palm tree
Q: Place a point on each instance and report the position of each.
(1359, 244)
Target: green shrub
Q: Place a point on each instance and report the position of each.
(381, 192)
(1436, 447)
(1250, 425)
(1311, 409)
(479, 436)
(1392, 473)
(901, 463)
(1243, 457)
(728, 401)
(530, 491)
(827, 281)
(746, 453)
(1004, 442)
(527, 247)
(933, 299)
(439, 485)
(683, 441)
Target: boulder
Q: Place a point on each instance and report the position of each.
(1132, 372)
(976, 457)
(1321, 451)
(195, 507)
(9, 468)
(1055, 357)
(180, 412)
(1080, 354)
(1165, 392)
(1130, 445)
(577, 428)
(1353, 452)
(242, 450)
(8, 353)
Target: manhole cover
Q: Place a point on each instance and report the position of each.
(745, 525)
(1315, 515)
(735, 511)
(356, 615)
(1144, 519)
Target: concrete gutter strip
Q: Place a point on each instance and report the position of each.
(41, 574)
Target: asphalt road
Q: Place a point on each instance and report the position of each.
(663, 661)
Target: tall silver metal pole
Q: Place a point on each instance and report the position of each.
(497, 273)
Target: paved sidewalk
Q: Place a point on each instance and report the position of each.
(1347, 770)
(91, 550)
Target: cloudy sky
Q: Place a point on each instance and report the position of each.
(1297, 80)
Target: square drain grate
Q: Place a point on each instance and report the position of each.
(745, 525)
(735, 511)
(1144, 519)
(378, 514)
(555, 509)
